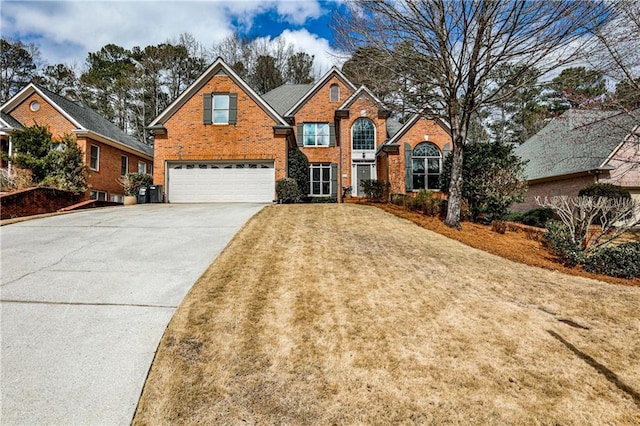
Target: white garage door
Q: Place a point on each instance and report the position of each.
(221, 182)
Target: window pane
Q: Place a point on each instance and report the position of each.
(316, 174)
(363, 134)
(309, 140)
(433, 165)
(309, 129)
(433, 182)
(418, 165)
(325, 188)
(426, 149)
(326, 174)
(315, 190)
(221, 116)
(323, 129)
(418, 181)
(221, 102)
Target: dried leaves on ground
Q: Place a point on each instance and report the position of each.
(345, 314)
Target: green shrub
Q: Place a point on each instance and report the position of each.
(299, 170)
(622, 261)
(374, 190)
(426, 202)
(535, 217)
(132, 182)
(605, 190)
(558, 239)
(287, 190)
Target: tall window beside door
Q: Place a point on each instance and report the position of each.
(427, 166)
(320, 182)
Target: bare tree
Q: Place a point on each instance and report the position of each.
(465, 41)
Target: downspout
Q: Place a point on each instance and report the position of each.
(10, 153)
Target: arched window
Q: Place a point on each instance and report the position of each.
(363, 134)
(427, 166)
(334, 93)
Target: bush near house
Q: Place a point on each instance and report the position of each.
(288, 191)
(299, 170)
(374, 190)
(132, 182)
(534, 217)
(621, 261)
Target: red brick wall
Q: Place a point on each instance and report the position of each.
(47, 115)
(188, 138)
(34, 201)
(423, 127)
(559, 187)
(106, 178)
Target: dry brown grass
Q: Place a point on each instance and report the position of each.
(345, 314)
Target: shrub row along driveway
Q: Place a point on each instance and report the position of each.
(344, 314)
(85, 299)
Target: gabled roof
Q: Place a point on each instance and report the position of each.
(577, 141)
(399, 133)
(8, 122)
(362, 91)
(218, 66)
(334, 71)
(85, 119)
(284, 97)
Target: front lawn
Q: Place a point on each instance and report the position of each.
(345, 314)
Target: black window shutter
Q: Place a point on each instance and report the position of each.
(233, 108)
(334, 179)
(300, 135)
(207, 108)
(408, 167)
(332, 134)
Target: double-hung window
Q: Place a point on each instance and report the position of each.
(94, 162)
(320, 182)
(124, 165)
(220, 109)
(316, 134)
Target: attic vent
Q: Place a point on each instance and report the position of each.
(220, 73)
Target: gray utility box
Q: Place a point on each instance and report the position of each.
(155, 194)
(143, 195)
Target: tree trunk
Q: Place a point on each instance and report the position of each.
(455, 188)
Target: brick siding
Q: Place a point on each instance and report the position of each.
(34, 201)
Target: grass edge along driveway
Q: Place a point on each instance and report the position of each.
(344, 314)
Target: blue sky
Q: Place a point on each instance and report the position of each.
(66, 31)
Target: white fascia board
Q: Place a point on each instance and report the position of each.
(318, 85)
(111, 142)
(205, 77)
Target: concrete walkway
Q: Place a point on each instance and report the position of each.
(85, 299)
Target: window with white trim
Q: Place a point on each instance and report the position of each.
(320, 179)
(363, 134)
(220, 109)
(142, 167)
(316, 134)
(94, 162)
(124, 165)
(334, 93)
(98, 195)
(427, 166)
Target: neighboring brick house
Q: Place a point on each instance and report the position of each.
(580, 148)
(221, 141)
(109, 152)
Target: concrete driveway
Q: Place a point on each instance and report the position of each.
(85, 299)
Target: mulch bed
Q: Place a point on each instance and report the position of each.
(519, 244)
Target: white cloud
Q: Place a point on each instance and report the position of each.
(66, 31)
(303, 40)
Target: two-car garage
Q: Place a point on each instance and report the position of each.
(212, 182)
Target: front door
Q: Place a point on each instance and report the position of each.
(363, 172)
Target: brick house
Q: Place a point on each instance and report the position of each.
(221, 141)
(109, 152)
(580, 148)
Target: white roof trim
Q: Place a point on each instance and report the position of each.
(318, 85)
(109, 141)
(413, 120)
(357, 93)
(27, 91)
(205, 77)
(627, 138)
